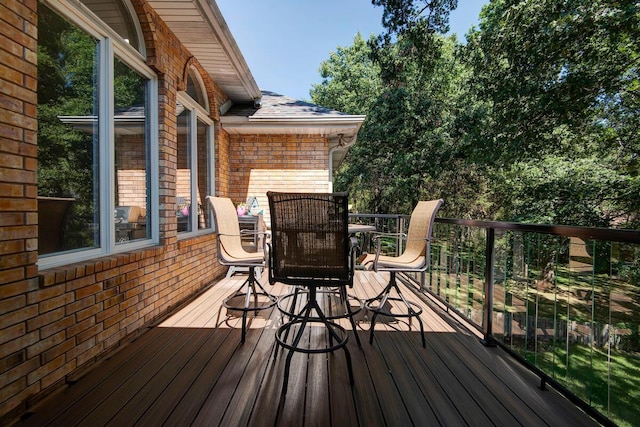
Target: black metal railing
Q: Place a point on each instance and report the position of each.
(563, 300)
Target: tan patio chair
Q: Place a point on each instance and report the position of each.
(414, 258)
(311, 249)
(232, 254)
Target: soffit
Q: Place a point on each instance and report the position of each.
(200, 27)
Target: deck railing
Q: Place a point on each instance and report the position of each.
(565, 301)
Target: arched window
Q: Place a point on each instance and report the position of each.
(194, 175)
(195, 89)
(119, 16)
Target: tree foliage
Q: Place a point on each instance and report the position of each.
(350, 79)
(556, 72)
(561, 77)
(535, 119)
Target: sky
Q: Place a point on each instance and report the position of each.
(285, 41)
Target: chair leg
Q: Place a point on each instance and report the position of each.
(383, 297)
(303, 318)
(412, 313)
(296, 341)
(249, 288)
(345, 299)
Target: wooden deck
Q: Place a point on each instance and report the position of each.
(192, 370)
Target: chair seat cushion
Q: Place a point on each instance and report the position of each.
(249, 258)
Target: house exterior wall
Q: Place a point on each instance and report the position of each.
(57, 322)
(261, 163)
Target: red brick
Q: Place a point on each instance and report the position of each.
(44, 344)
(45, 369)
(12, 332)
(45, 319)
(88, 290)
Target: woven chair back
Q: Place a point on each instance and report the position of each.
(421, 227)
(309, 239)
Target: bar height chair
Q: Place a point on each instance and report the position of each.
(232, 254)
(311, 249)
(414, 258)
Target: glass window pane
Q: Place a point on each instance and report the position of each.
(132, 161)
(194, 90)
(116, 15)
(183, 178)
(68, 163)
(204, 174)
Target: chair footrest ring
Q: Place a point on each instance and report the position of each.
(263, 302)
(337, 329)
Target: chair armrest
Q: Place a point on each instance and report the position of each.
(379, 234)
(265, 233)
(243, 232)
(269, 260)
(378, 238)
(352, 262)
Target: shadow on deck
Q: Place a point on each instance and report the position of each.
(192, 370)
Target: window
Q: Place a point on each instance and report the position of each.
(195, 159)
(131, 171)
(118, 15)
(96, 138)
(195, 89)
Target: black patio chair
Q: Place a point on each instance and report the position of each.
(311, 249)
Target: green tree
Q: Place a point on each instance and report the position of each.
(535, 119)
(547, 63)
(561, 79)
(350, 80)
(415, 133)
(559, 190)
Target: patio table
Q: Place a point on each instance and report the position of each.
(363, 229)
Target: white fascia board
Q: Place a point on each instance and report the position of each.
(211, 13)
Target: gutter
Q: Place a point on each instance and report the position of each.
(343, 144)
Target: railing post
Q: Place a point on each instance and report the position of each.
(488, 339)
(399, 229)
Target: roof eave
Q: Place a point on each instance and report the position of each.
(221, 29)
(237, 124)
(201, 28)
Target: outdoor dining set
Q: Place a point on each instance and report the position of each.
(310, 247)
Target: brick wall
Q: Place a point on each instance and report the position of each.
(18, 203)
(55, 323)
(222, 161)
(261, 163)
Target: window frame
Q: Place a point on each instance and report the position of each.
(110, 46)
(198, 113)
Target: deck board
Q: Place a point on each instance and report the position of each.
(192, 370)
